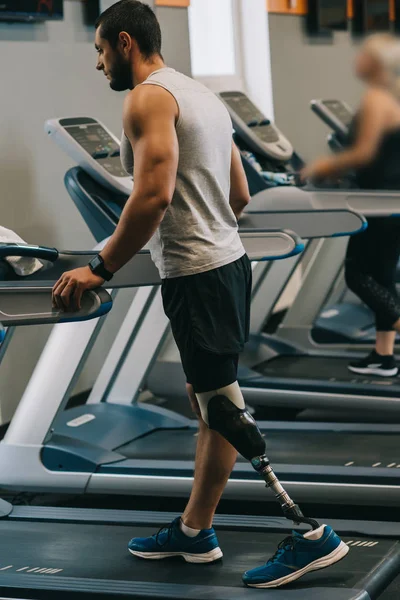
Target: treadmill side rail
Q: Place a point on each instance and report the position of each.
(383, 574)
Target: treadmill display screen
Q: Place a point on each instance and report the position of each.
(31, 10)
(339, 110)
(100, 145)
(244, 108)
(252, 116)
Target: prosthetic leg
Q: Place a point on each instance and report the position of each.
(224, 411)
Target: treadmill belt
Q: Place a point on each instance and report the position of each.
(100, 551)
(284, 447)
(319, 368)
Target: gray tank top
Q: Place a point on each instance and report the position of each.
(199, 231)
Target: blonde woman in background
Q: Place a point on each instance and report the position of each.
(373, 153)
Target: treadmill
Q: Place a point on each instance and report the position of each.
(281, 369)
(124, 446)
(76, 553)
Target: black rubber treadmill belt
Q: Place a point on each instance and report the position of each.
(320, 368)
(42, 554)
(284, 447)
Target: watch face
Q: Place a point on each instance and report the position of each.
(95, 262)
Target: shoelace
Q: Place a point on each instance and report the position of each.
(286, 544)
(168, 529)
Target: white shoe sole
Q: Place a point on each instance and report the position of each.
(321, 563)
(207, 557)
(381, 372)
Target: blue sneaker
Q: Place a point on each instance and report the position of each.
(297, 555)
(171, 541)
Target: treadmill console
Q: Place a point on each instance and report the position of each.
(94, 148)
(255, 128)
(267, 156)
(336, 114)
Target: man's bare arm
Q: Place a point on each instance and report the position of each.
(150, 114)
(239, 195)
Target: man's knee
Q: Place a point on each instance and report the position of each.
(224, 411)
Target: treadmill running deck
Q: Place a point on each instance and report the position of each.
(320, 367)
(283, 447)
(70, 551)
(323, 373)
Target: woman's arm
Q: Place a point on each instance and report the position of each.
(372, 125)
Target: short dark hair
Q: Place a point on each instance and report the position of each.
(137, 19)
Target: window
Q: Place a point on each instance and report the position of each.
(212, 39)
(229, 46)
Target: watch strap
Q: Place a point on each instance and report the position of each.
(97, 267)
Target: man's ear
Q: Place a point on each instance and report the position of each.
(125, 42)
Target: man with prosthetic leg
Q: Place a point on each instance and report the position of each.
(223, 412)
(190, 189)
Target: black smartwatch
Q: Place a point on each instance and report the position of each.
(97, 267)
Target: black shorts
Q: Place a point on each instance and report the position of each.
(210, 318)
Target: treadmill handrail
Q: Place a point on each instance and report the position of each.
(30, 251)
(258, 215)
(308, 222)
(21, 306)
(140, 270)
(384, 203)
(373, 203)
(288, 243)
(261, 245)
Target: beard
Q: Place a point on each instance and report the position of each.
(121, 75)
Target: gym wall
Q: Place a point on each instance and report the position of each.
(176, 44)
(302, 70)
(47, 71)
